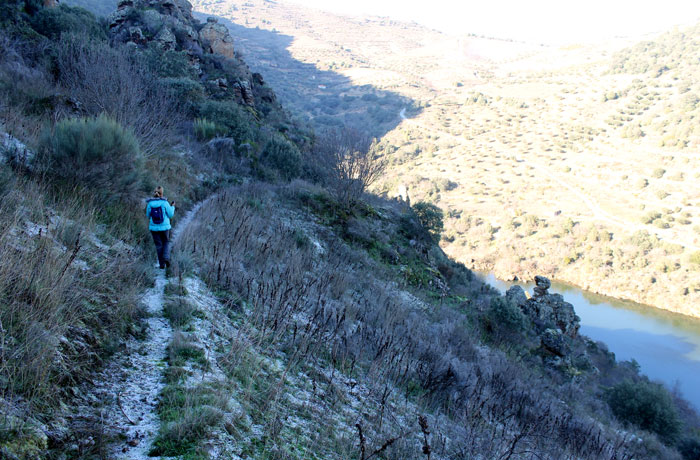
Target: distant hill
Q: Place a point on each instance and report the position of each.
(576, 161)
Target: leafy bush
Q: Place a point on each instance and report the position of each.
(52, 22)
(430, 217)
(96, 153)
(504, 319)
(647, 405)
(283, 156)
(169, 64)
(184, 90)
(232, 117)
(206, 130)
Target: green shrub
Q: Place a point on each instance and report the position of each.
(206, 130)
(647, 405)
(52, 22)
(95, 153)
(695, 258)
(658, 173)
(169, 64)
(430, 217)
(184, 90)
(410, 227)
(238, 124)
(651, 216)
(506, 315)
(283, 156)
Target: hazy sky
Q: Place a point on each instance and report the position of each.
(547, 21)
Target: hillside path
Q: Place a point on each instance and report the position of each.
(131, 383)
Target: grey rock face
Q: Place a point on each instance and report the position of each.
(515, 295)
(541, 286)
(216, 39)
(553, 341)
(550, 310)
(166, 39)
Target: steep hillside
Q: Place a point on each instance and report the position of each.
(90, 120)
(302, 317)
(575, 162)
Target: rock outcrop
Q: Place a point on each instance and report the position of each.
(167, 22)
(216, 39)
(169, 25)
(545, 309)
(555, 342)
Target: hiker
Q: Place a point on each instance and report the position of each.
(159, 212)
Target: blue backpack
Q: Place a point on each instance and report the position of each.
(156, 215)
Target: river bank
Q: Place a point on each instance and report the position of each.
(666, 345)
(659, 293)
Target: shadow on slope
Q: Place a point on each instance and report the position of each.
(325, 98)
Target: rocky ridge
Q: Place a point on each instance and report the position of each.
(169, 26)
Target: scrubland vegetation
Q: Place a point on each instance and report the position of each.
(576, 162)
(305, 317)
(366, 357)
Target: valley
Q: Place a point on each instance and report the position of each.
(576, 162)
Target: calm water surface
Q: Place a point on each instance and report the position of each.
(666, 345)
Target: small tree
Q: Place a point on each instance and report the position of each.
(113, 81)
(430, 217)
(348, 163)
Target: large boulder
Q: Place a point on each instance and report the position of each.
(216, 39)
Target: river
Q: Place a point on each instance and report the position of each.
(666, 345)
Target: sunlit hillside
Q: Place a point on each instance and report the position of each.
(577, 162)
(193, 267)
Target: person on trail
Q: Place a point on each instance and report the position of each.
(159, 213)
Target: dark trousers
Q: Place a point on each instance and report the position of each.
(162, 242)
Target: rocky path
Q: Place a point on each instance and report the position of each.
(130, 385)
(140, 381)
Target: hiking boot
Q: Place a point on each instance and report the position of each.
(167, 264)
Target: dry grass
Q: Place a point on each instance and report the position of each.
(65, 296)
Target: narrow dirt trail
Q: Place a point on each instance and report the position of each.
(141, 367)
(130, 385)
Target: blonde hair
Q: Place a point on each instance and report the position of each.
(158, 192)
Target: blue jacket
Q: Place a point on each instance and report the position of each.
(168, 211)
